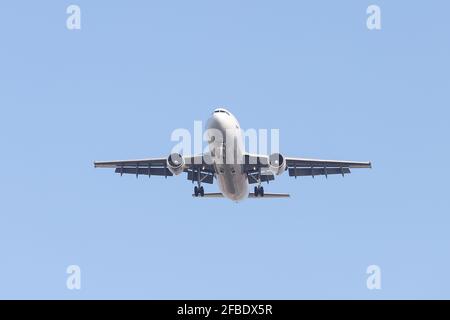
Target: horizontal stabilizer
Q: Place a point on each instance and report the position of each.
(251, 195)
(270, 195)
(210, 195)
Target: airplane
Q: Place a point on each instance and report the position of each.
(233, 176)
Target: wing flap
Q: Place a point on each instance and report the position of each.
(145, 171)
(302, 172)
(253, 178)
(204, 177)
(311, 163)
(154, 162)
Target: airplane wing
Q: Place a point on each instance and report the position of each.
(257, 166)
(194, 166)
(153, 166)
(314, 167)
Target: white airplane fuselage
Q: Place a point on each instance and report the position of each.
(226, 146)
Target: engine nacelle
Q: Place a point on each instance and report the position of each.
(277, 163)
(175, 163)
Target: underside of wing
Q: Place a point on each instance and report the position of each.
(154, 162)
(196, 167)
(304, 162)
(256, 178)
(258, 167)
(299, 167)
(151, 166)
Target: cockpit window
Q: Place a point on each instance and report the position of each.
(221, 111)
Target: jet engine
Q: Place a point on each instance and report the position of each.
(175, 163)
(277, 163)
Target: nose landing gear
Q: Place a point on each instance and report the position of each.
(198, 189)
(259, 189)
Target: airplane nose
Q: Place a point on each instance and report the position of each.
(217, 121)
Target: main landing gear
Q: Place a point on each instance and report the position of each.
(259, 191)
(199, 191)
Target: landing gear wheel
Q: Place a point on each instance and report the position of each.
(202, 191)
(196, 191)
(259, 191)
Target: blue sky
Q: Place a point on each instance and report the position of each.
(136, 71)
